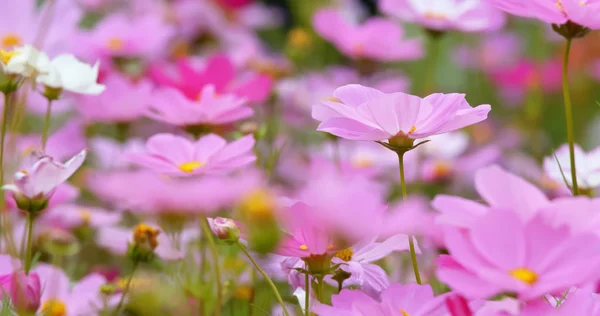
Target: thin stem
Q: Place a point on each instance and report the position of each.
(126, 289)
(307, 296)
(213, 249)
(569, 117)
(29, 242)
(46, 125)
(321, 289)
(431, 64)
(264, 274)
(413, 254)
(3, 224)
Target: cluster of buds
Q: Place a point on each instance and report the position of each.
(144, 242)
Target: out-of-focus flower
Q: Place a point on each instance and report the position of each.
(585, 13)
(25, 61)
(362, 113)
(358, 260)
(62, 144)
(494, 52)
(59, 297)
(218, 71)
(224, 228)
(24, 291)
(445, 15)
(38, 177)
(396, 300)
(376, 38)
(169, 105)
(123, 101)
(68, 73)
(119, 35)
(147, 238)
(176, 155)
(72, 216)
(500, 189)
(588, 167)
(533, 258)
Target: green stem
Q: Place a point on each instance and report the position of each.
(431, 64)
(264, 274)
(126, 289)
(213, 249)
(3, 225)
(307, 296)
(29, 242)
(413, 253)
(321, 289)
(569, 117)
(46, 125)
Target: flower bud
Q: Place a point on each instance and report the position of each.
(60, 242)
(224, 228)
(52, 94)
(24, 290)
(33, 205)
(145, 240)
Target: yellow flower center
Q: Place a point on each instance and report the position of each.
(244, 293)
(524, 275)
(303, 247)
(435, 16)
(332, 99)
(560, 6)
(7, 56)
(412, 130)
(115, 43)
(404, 312)
(362, 162)
(85, 215)
(54, 307)
(299, 38)
(136, 283)
(191, 166)
(441, 169)
(345, 254)
(145, 235)
(10, 40)
(258, 205)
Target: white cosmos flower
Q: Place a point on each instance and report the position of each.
(69, 73)
(26, 61)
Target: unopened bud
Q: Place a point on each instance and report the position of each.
(52, 94)
(145, 240)
(224, 228)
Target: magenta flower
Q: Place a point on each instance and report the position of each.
(376, 38)
(396, 300)
(359, 260)
(23, 290)
(39, 176)
(218, 71)
(211, 154)
(123, 101)
(82, 298)
(445, 15)
(362, 113)
(500, 189)
(169, 105)
(531, 259)
(582, 12)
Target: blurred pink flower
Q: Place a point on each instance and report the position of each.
(62, 143)
(588, 167)
(117, 240)
(582, 12)
(396, 300)
(119, 35)
(364, 113)
(531, 259)
(218, 71)
(446, 15)
(211, 154)
(123, 101)
(81, 298)
(500, 189)
(109, 153)
(169, 105)
(377, 38)
(72, 216)
(494, 52)
(359, 260)
(23, 290)
(41, 174)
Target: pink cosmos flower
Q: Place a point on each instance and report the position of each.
(396, 300)
(119, 35)
(211, 154)
(108, 153)
(582, 12)
(71, 216)
(169, 105)
(82, 298)
(500, 189)
(588, 166)
(376, 38)
(359, 261)
(62, 144)
(23, 290)
(531, 259)
(117, 240)
(41, 174)
(444, 15)
(123, 101)
(218, 71)
(364, 113)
